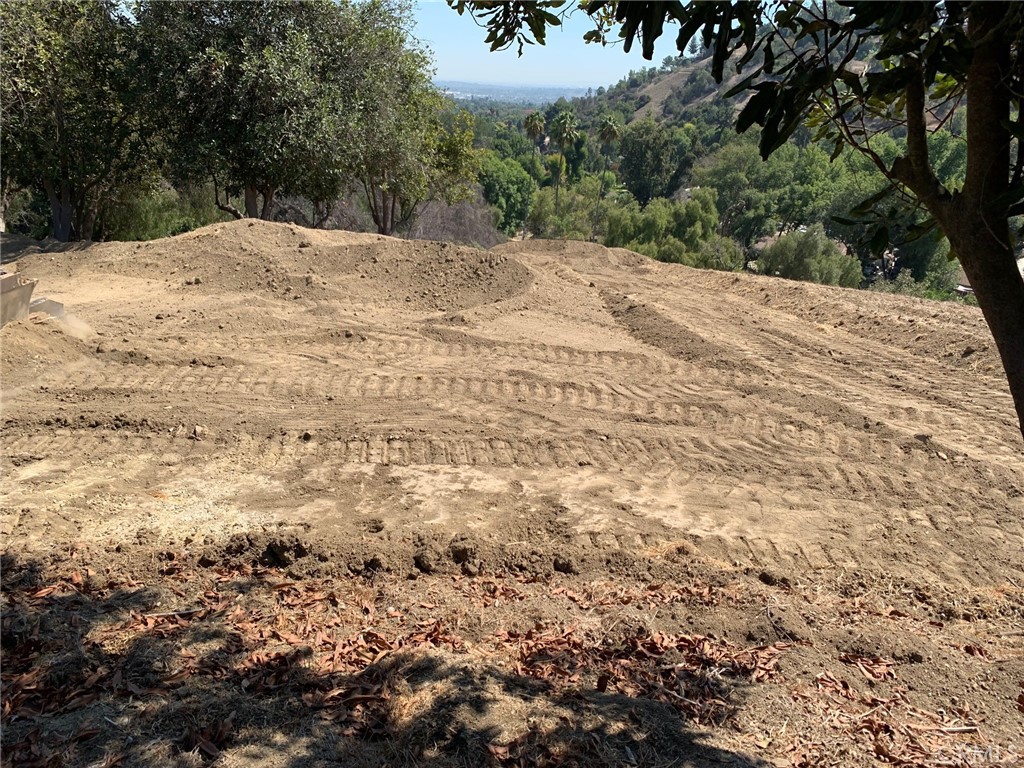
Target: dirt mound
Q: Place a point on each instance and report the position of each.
(37, 344)
(287, 262)
(283, 507)
(580, 254)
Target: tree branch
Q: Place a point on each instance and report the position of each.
(838, 118)
(225, 206)
(914, 170)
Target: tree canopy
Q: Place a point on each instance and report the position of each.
(259, 99)
(74, 120)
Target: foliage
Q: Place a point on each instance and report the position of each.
(686, 224)
(565, 133)
(938, 279)
(508, 140)
(257, 96)
(74, 120)
(412, 150)
(810, 255)
(541, 220)
(795, 186)
(508, 188)
(106, 103)
(534, 125)
(160, 211)
(718, 252)
(577, 217)
(650, 160)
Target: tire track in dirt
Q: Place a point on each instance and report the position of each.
(836, 359)
(770, 441)
(770, 437)
(878, 371)
(725, 455)
(241, 382)
(844, 374)
(823, 489)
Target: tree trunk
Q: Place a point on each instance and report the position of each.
(268, 202)
(384, 225)
(973, 219)
(61, 211)
(252, 207)
(597, 206)
(226, 206)
(992, 271)
(6, 193)
(980, 227)
(558, 179)
(88, 226)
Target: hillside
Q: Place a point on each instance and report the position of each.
(294, 497)
(669, 93)
(655, 93)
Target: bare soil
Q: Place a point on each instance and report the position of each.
(280, 497)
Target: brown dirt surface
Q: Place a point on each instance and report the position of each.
(281, 497)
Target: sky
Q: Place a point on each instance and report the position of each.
(460, 52)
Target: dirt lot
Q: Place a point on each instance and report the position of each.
(280, 497)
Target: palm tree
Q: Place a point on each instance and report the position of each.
(608, 133)
(565, 132)
(534, 127)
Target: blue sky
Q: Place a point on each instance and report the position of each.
(460, 53)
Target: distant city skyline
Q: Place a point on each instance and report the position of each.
(460, 53)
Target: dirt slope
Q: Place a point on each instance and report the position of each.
(418, 417)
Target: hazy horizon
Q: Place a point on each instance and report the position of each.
(460, 53)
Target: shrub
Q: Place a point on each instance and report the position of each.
(810, 256)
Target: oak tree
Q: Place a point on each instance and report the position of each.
(75, 123)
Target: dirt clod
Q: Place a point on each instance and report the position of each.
(564, 564)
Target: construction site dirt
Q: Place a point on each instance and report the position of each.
(283, 497)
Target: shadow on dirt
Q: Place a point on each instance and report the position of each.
(279, 674)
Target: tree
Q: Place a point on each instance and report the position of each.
(267, 98)
(665, 226)
(649, 159)
(810, 255)
(258, 97)
(534, 125)
(74, 121)
(930, 61)
(565, 132)
(508, 188)
(608, 133)
(413, 145)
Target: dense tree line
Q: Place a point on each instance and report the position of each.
(621, 183)
(252, 102)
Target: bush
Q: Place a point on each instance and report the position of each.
(810, 256)
(161, 211)
(509, 189)
(28, 213)
(719, 252)
(540, 221)
(941, 276)
(468, 222)
(665, 222)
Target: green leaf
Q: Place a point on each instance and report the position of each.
(866, 206)
(879, 240)
(757, 107)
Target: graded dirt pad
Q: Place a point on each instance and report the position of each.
(292, 498)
